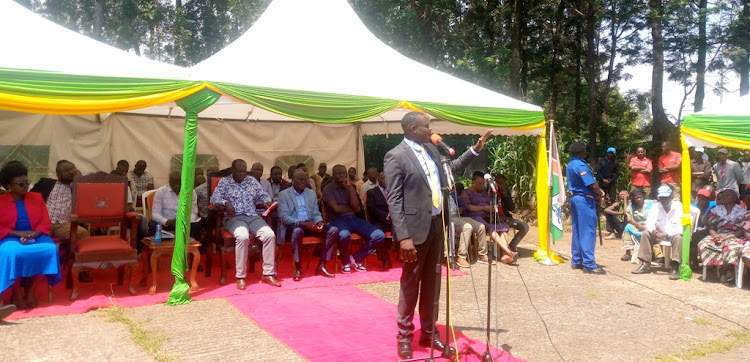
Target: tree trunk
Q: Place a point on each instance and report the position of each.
(661, 127)
(592, 76)
(98, 25)
(515, 50)
(744, 66)
(700, 77)
(556, 50)
(610, 66)
(178, 4)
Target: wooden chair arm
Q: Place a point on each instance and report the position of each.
(74, 219)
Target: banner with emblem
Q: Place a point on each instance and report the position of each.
(556, 185)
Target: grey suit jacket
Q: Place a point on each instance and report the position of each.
(288, 210)
(409, 194)
(732, 176)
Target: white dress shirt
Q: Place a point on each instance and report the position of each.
(667, 222)
(165, 205)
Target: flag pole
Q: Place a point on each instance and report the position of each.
(548, 260)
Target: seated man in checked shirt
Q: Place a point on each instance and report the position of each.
(238, 193)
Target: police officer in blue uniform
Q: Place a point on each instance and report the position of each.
(586, 193)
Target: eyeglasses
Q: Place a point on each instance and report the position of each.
(23, 183)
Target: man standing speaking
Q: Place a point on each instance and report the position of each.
(414, 179)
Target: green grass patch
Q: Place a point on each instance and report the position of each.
(144, 338)
(704, 322)
(734, 339)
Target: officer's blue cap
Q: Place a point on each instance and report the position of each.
(611, 149)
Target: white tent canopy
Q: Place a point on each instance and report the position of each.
(319, 46)
(323, 46)
(31, 42)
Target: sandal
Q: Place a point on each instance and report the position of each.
(506, 259)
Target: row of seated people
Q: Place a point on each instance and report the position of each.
(470, 211)
(240, 193)
(720, 236)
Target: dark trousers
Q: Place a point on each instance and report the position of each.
(331, 234)
(610, 191)
(522, 229)
(614, 225)
(384, 250)
(418, 281)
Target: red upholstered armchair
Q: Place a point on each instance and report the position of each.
(102, 198)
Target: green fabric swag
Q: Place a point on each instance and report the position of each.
(192, 105)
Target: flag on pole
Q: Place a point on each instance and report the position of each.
(558, 189)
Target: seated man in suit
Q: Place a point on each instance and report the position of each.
(238, 193)
(380, 217)
(298, 211)
(342, 204)
(164, 209)
(277, 183)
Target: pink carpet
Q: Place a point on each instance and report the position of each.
(339, 323)
(104, 291)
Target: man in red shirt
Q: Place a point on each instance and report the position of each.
(669, 168)
(640, 172)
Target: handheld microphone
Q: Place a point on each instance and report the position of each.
(437, 140)
(490, 183)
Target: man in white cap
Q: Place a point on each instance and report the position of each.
(728, 172)
(664, 223)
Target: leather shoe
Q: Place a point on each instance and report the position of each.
(574, 267)
(645, 268)
(595, 271)
(6, 310)
(324, 272)
(386, 265)
(404, 350)
(439, 345)
(270, 280)
(297, 276)
(241, 284)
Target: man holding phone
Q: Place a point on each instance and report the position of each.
(298, 211)
(342, 204)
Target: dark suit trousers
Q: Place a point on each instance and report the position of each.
(418, 280)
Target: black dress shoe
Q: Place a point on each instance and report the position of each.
(645, 268)
(324, 272)
(574, 267)
(386, 265)
(439, 345)
(404, 350)
(595, 271)
(297, 276)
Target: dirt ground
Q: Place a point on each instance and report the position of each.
(545, 313)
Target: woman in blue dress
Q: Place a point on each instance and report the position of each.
(26, 250)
